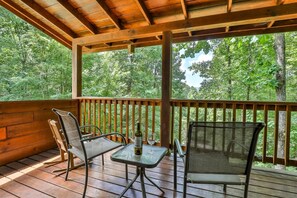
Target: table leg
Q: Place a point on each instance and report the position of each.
(131, 183)
(152, 181)
(142, 183)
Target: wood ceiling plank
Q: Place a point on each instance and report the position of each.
(261, 15)
(22, 13)
(145, 11)
(78, 16)
(48, 16)
(110, 15)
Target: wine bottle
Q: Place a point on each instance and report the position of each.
(138, 141)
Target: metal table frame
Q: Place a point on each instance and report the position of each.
(146, 160)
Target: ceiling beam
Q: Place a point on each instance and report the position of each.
(184, 8)
(78, 16)
(185, 12)
(236, 33)
(203, 35)
(25, 15)
(110, 15)
(254, 16)
(145, 12)
(48, 16)
(229, 6)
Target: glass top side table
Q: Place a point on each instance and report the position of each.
(150, 158)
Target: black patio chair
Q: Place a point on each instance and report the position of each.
(85, 147)
(218, 153)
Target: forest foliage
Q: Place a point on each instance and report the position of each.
(34, 66)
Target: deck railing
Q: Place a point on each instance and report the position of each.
(122, 114)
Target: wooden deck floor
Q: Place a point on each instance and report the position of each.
(30, 178)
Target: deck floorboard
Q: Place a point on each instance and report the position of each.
(30, 178)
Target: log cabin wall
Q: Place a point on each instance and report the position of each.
(24, 130)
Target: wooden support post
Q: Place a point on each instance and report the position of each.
(76, 70)
(166, 88)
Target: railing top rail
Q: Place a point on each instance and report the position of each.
(234, 102)
(120, 99)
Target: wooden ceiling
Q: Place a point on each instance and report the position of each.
(101, 25)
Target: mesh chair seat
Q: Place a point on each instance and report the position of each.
(210, 162)
(95, 148)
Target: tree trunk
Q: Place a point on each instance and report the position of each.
(280, 76)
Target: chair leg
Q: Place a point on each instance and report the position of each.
(185, 187)
(68, 166)
(246, 189)
(174, 165)
(225, 188)
(102, 160)
(86, 178)
(126, 167)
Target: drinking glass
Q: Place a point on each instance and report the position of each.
(151, 140)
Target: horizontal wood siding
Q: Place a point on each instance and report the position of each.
(24, 130)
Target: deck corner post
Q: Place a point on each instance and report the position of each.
(166, 87)
(76, 70)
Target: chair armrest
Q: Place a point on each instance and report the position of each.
(84, 127)
(105, 135)
(179, 148)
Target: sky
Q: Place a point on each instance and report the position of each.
(194, 79)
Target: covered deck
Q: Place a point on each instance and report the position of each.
(28, 177)
(97, 25)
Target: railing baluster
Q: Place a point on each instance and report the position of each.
(115, 115)
(94, 115)
(133, 119)
(197, 111)
(89, 114)
(276, 119)
(109, 115)
(265, 133)
(244, 113)
(121, 117)
(214, 112)
(188, 113)
(146, 121)
(180, 121)
(127, 120)
(139, 112)
(234, 112)
(205, 111)
(104, 116)
(85, 113)
(99, 113)
(172, 126)
(287, 136)
(255, 113)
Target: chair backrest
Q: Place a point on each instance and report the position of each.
(71, 128)
(230, 142)
(58, 135)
